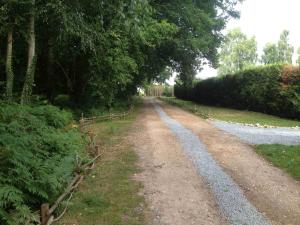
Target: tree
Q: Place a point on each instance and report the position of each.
(199, 32)
(9, 70)
(298, 59)
(30, 71)
(6, 23)
(270, 54)
(11, 14)
(237, 52)
(285, 50)
(282, 52)
(100, 50)
(91, 53)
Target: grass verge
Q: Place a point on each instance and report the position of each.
(109, 195)
(231, 115)
(284, 157)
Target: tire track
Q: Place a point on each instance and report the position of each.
(230, 198)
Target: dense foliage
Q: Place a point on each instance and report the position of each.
(99, 51)
(273, 89)
(282, 52)
(38, 149)
(237, 52)
(87, 54)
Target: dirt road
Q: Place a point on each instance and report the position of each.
(184, 183)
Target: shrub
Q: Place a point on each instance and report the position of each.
(37, 155)
(273, 89)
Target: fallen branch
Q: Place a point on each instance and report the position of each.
(92, 161)
(50, 221)
(65, 209)
(68, 190)
(78, 178)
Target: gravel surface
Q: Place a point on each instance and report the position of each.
(257, 135)
(172, 187)
(229, 196)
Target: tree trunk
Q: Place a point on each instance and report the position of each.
(9, 70)
(29, 79)
(50, 72)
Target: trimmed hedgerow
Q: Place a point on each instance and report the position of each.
(38, 150)
(273, 89)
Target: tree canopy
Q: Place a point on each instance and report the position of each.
(200, 24)
(83, 54)
(270, 54)
(237, 52)
(285, 50)
(282, 52)
(99, 51)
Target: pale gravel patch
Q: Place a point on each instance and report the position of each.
(230, 198)
(258, 135)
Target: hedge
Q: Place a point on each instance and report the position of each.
(273, 89)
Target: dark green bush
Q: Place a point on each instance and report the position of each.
(38, 150)
(273, 89)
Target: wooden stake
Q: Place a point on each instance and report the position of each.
(45, 214)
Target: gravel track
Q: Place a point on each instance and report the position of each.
(230, 198)
(257, 135)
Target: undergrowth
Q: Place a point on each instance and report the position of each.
(110, 196)
(38, 148)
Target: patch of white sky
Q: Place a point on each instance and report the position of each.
(264, 19)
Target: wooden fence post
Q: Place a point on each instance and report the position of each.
(81, 122)
(97, 149)
(44, 214)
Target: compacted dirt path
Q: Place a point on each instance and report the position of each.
(175, 193)
(181, 188)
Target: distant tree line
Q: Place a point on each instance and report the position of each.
(159, 90)
(238, 52)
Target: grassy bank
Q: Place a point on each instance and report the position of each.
(232, 115)
(109, 196)
(284, 157)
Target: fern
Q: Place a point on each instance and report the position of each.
(37, 158)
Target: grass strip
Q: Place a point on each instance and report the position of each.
(231, 115)
(284, 157)
(109, 196)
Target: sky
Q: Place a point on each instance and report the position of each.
(264, 19)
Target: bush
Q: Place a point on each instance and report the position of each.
(37, 154)
(273, 89)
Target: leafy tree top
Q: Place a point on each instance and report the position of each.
(237, 52)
